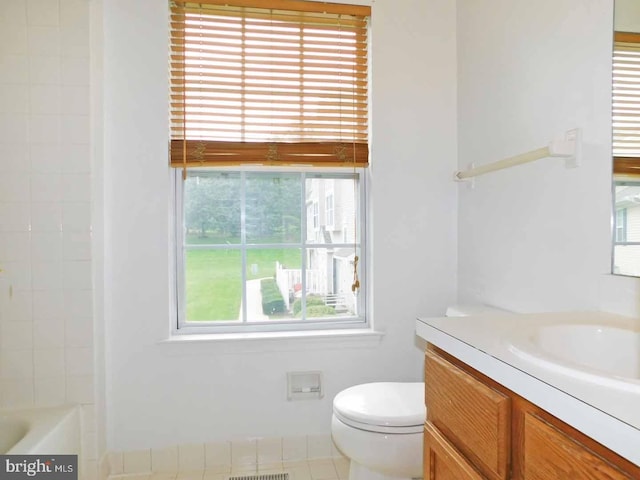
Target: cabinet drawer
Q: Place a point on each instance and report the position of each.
(442, 461)
(549, 454)
(474, 417)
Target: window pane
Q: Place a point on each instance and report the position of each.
(331, 210)
(244, 242)
(627, 260)
(273, 208)
(213, 285)
(212, 208)
(273, 281)
(329, 280)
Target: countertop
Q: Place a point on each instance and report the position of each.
(609, 415)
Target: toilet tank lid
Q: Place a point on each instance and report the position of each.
(467, 310)
(393, 404)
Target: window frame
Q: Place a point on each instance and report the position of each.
(361, 321)
(621, 181)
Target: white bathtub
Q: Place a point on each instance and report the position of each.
(40, 431)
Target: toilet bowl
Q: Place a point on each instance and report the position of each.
(380, 426)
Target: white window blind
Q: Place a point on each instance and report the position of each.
(281, 85)
(626, 103)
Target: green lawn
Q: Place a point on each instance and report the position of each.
(213, 279)
(211, 239)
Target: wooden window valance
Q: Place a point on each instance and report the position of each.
(284, 85)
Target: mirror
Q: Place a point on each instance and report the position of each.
(626, 138)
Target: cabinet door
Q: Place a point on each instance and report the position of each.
(549, 454)
(474, 417)
(442, 461)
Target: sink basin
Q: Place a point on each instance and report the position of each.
(612, 350)
(597, 362)
(587, 350)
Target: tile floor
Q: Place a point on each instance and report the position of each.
(320, 469)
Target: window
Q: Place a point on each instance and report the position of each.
(328, 210)
(626, 234)
(247, 260)
(626, 153)
(269, 139)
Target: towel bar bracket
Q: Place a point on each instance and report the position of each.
(569, 147)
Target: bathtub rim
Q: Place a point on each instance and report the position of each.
(42, 423)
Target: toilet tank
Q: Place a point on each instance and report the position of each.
(467, 310)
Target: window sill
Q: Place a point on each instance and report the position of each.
(275, 341)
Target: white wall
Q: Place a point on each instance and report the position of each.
(160, 394)
(535, 237)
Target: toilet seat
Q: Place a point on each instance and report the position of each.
(380, 428)
(384, 407)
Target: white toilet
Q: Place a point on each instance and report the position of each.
(379, 426)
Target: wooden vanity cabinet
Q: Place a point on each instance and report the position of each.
(477, 429)
(474, 417)
(442, 461)
(545, 448)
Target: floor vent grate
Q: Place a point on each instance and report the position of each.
(266, 476)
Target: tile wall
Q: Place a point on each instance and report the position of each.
(46, 320)
(312, 457)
